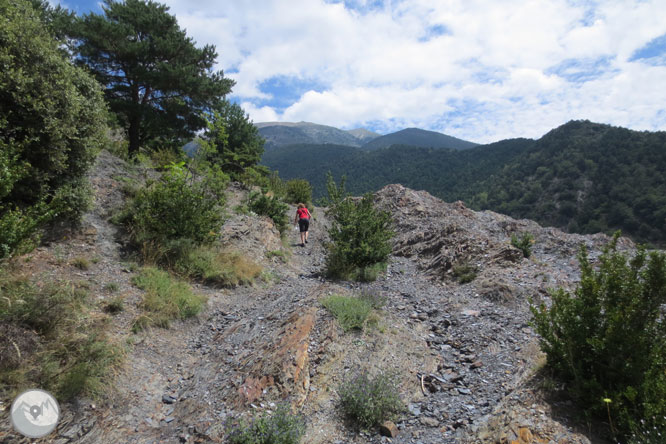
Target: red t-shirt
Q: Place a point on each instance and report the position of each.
(303, 213)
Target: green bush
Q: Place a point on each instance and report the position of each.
(524, 244)
(52, 122)
(299, 191)
(177, 209)
(165, 299)
(271, 206)
(464, 273)
(608, 340)
(282, 427)
(370, 401)
(56, 341)
(360, 235)
(351, 312)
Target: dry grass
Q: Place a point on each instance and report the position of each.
(50, 337)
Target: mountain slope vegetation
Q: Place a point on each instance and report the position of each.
(584, 177)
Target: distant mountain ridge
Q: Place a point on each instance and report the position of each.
(278, 134)
(290, 133)
(420, 138)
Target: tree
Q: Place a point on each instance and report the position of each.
(52, 118)
(360, 235)
(157, 81)
(235, 143)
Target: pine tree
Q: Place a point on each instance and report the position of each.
(157, 81)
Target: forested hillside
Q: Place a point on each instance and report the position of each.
(583, 177)
(587, 178)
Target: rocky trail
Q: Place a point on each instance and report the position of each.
(465, 354)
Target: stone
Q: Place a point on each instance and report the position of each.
(429, 422)
(168, 399)
(388, 429)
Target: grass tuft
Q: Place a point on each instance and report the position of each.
(56, 341)
(351, 312)
(165, 299)
(81, 263)
(217, 267)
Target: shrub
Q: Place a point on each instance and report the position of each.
(464, 273)
(351, 312)
(58, 343)
(608, 340)
(52, 122)
(524, 244)
(165, 299)
(299, 191)
(360, 236)
(178, 208)
(370, 401)
(282, 427)
(270, 206)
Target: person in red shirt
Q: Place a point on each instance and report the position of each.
(303, 220)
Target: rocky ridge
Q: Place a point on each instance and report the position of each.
(466, 355)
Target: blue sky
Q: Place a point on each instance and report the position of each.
(481, 70)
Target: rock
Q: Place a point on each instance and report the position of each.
(414, 409)
(388, 429)
(286, 360)
(168, 399)
(429, 422)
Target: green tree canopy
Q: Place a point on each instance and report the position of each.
(157, 81)
(234, 142)
(52, 118)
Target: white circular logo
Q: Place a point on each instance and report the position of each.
(35, 413)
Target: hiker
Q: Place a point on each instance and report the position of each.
(303, 220)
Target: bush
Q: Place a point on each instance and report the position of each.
(177, 209)
(165, 299)
(464, 273)
(351, 312)
(524, 244)
(282, 427)
(299, 191)
(54, 340)
(370, 401)
(608, 340)
(360, 235)
(52, 122)
(270, 206)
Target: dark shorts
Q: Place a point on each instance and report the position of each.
(303, 224)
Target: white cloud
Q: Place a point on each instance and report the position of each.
(488, 75)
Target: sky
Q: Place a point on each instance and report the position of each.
(480, 70)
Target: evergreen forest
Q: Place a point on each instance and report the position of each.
(582, 177)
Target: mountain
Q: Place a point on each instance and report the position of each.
(583, 177)
(586, 177)
(289, 133)
(363, 135)
(420, 138)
